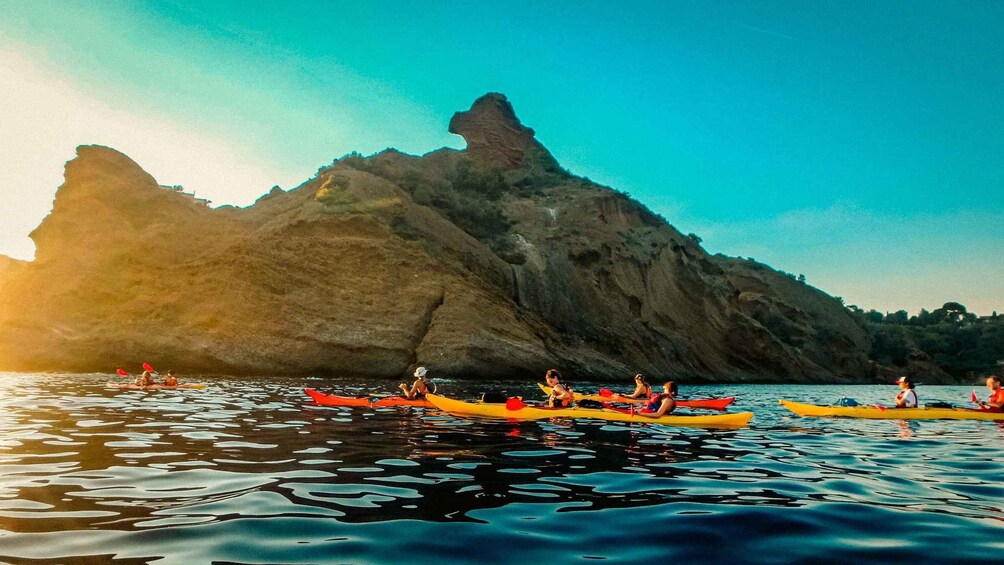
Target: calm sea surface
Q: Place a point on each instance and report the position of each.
(249, 471)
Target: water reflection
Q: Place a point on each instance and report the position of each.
(78, 457)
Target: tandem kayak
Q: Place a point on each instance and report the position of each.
(132, 386)
(460, 408)
(709, 403)
(876, 413)
(334, 400)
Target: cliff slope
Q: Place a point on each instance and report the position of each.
(490, 261)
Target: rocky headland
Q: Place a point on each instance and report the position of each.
(491, 261)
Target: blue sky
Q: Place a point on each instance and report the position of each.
(858, 143)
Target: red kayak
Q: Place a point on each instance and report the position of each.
(334, 400)
(710, 403)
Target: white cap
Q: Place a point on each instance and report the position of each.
(421, 372)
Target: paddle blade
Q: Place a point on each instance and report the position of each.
(125, 374)
(880, 407)
(974, 397)
(606, 392)
(147, 367)
(514, 403)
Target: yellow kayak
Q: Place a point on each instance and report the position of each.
(709, 403)
(874, 413)
(460, 408)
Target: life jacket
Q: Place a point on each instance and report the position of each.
(902, 394)
(655, 401)
(554, 402)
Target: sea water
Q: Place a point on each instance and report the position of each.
(250, 471)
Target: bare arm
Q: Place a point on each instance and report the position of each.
(667, 407)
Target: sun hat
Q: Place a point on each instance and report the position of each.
(421, 372)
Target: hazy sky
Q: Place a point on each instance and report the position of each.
(859, 143)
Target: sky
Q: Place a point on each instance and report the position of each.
(858, 143)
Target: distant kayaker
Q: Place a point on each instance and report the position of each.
(561, 394)
(662, 403)
(170, 380)
(907, 398)
(146, 379)
(423, 385)
(996, 402)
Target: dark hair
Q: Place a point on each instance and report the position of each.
(994, 377)
(672, 387)
(641, 377)
(553, 373)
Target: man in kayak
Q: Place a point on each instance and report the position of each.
(660, 404)
(423, 385)
(561, 395)
(170, 380)
(906, 398)
(996, 402)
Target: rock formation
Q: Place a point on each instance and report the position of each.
(491, 262)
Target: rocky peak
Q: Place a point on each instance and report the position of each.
(496, 138)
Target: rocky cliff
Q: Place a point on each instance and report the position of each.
(491, 261)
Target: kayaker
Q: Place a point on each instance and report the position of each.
(561, 395)
(662, 403)
(907, 398)
(996, 402)
(170, 380)
(423, 385)
(146, 379)
(641, 388)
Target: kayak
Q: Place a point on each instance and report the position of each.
(335, 400)
(876, 413)
(461, 408)
(709, 403)
(133, 386)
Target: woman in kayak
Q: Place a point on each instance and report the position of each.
(906, 398)
(641, 388)
(662, 403)
(561, 395)
(996, 402)
(146, 379)
(170, 380)
(423, 385)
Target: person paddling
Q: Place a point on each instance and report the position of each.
(996, 402)
(662, 403)
(561, 394)
(423, 385)
(170, 380)
(907, 398)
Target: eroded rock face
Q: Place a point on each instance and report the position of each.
(485, 262)
(496, 138)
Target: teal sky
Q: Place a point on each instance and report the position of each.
(858, 143)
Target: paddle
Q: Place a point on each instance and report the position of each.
(147, 367)
(606, 392)
(515, 403)
(125, 374)
(975, 398)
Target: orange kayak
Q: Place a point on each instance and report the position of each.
(335, 400)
